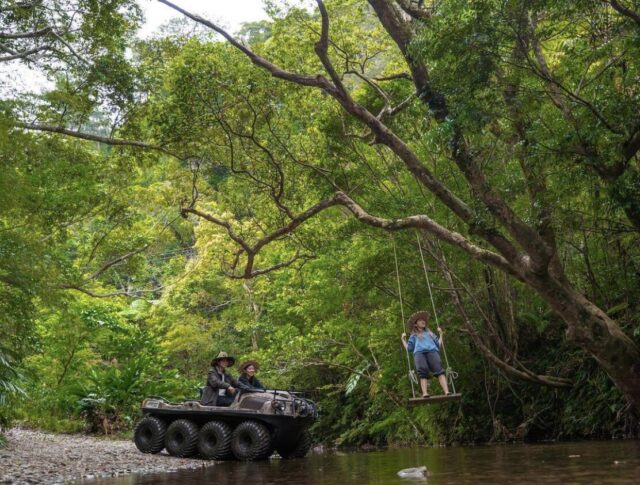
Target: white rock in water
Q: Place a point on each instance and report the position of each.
(418, 472)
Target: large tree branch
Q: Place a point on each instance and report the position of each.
(626, 11)
(314, 81)
(340, 198)
(430, 226)
(534, 177)
(401, 31)
(322, 51)
(631, 146)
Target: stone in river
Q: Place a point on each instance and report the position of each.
(418, 472)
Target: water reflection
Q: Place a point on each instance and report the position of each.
(566, 463)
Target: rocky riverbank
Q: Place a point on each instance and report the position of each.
(37, 457)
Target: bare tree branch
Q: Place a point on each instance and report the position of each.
(23, 54)
(392, 77)
(25, 35)
(96, 138)
(340, 198)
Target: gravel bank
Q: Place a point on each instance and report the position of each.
(38, 457)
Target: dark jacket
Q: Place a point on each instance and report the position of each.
(216, 380)
(251, 382)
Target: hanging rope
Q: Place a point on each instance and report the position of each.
(450, 373)
(412, 375)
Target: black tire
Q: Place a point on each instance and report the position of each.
(149, 435)
(214, 441)
(251, 441)
(299, 449)
(182, 438)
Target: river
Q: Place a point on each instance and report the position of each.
(610, 462)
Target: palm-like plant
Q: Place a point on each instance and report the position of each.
(8, 376)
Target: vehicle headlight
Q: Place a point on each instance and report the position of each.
(303, 409)
(278, 406)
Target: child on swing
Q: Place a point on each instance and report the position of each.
(425, 346)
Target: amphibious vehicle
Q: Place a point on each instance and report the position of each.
(255, 425)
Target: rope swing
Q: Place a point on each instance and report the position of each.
(450, 374)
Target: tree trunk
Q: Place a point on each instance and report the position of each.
(592, 330)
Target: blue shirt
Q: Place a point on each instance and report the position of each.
(427, 342)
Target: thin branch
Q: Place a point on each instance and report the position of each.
(70, 47)
(113, 262)
(23, 54)
(96, 138)
(556, 86)
(127, 293)
(25, 35)
(392, 77)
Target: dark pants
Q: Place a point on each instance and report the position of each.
(224, 400)
(428, 363)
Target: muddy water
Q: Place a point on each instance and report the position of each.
(616, 462)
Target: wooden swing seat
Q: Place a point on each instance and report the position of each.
(434, 399)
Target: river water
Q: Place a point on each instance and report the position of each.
(611, 462)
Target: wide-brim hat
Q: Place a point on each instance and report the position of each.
(421, 315)
(242, 367)
(223, 355)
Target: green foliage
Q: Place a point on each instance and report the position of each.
(107, 296)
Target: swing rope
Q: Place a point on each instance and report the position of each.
(412, 377)
(450, 373)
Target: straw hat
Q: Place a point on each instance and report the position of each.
(223, 355)
(421, 315)
(243, 367)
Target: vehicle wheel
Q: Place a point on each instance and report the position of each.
(214, 441)
(251, 441)
(149, 435)
(182, 438)
(299, 449)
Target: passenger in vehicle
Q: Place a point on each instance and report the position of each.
(221, 387)
(248, 377)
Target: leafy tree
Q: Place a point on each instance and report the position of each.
(517, 231)
(491, 138)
